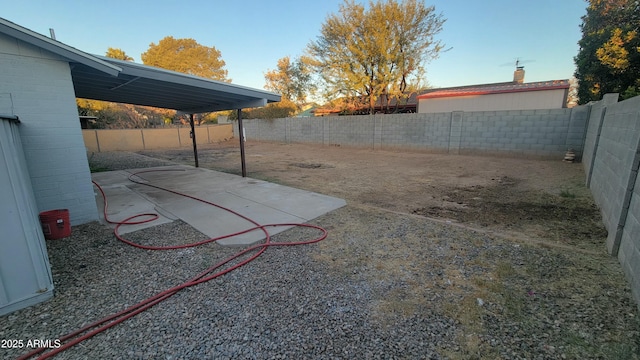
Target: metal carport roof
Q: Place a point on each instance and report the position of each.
(146, 85)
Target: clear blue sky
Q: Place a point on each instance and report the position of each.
(485, 37)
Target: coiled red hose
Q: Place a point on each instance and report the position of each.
(212, 272)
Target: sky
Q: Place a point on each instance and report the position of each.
(483, 38)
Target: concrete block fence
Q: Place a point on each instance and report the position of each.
(153, 139)
(612, 158)
(534, 133)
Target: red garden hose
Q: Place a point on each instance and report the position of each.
(212, 272)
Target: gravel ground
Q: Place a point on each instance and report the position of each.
(382, 285)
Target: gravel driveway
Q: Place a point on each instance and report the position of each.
(384, 284)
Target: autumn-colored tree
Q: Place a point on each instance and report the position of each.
(119, 54)
(186, 56)
(124, 116)
(609, 57)
(277, 110)
(290, 79)
(374, 51)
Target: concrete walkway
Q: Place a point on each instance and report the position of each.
(264, 202)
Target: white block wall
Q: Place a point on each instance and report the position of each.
(37, 87)
(539, 133)
(612, 177)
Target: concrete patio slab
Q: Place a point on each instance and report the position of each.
(261, 201)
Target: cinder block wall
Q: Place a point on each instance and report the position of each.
(613, 140)
(414, 131)
(37, 87)
(153, 139)
(268, 130)
(536, 133)
(629, 252)
(352, 130)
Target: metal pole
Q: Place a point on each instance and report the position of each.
(241, 132)
(193, 138)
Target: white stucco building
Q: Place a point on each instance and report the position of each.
(514, 95)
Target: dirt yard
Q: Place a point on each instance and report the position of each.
(541, 201)
(524, 271)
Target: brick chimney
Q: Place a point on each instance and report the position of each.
(518, 75)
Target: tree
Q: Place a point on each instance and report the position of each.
(292, 80)
(376, 51)
(609, 57)
(572, 95)
(124, 116)
(186, 56)
(119, 54)
(277, 110)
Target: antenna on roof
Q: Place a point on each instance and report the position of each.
(518, 61)
(52, 33)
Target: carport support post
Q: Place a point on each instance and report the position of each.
(193, 138)
(241, 132)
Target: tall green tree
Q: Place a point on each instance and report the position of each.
(186, 56)
(374, 51)
(609, 57)
(291, 79)
(116, 53)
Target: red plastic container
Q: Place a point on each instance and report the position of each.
(55, 224)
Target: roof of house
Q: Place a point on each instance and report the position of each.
(307, 113)
(495, 88)
(408, 102)
(101, 78)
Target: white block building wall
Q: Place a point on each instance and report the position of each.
(36, 86)
(525, 100)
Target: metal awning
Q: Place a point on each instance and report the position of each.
(146, 85)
